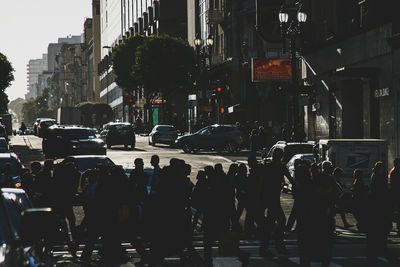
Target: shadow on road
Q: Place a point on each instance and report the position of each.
(26, 155)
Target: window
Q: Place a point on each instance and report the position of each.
(206, 131)
(77, 134)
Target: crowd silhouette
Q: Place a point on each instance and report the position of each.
(159, 211)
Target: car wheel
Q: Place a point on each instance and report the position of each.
(187, 148)
(230, 147)
(125, 146)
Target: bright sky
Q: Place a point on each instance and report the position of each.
(28, 26)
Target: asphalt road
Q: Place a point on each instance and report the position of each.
(349, 249)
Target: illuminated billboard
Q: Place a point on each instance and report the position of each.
(267, 69)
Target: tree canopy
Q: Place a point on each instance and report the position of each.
(37, 107)
(159, 64)
(165, 65)
(123, 60)
(6, 77)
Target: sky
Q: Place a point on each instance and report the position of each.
(28, 26)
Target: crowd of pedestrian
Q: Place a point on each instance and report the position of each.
(162, 209)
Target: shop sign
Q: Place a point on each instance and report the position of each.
(382, 92)
(267, 69)
(206, 108)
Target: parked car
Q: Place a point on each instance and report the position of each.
(22, 230)
(290, 149)
(118, 133)
(85, 162)
(4, 147)
(44, 126)
(62, 141)
(290, 165)
(36, 124)
(213, 137)
(16, 165)
(163, 134)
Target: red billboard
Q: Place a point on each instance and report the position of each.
(267, 69)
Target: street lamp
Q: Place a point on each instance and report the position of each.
(291, 19)
(107, 67)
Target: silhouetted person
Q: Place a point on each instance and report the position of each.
(272, 184)
(360, 194)
(343, 202)
(199, 196)
(154, 179)
(379, 218)
(241, 191)
(43, 184)
(6, 178)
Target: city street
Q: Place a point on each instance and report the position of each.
(349, 249)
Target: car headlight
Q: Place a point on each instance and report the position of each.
(75, 146)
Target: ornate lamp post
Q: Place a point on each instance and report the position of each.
(291, 20)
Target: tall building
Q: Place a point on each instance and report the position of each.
(35, 67)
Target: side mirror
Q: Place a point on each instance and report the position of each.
(37, 224)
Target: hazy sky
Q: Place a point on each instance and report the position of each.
(28, 26)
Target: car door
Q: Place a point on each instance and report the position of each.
(204, 138)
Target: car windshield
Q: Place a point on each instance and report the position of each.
(166, 128)
(15, 165)
(291, 150)
(47, 123)
(84, 164)
(76, 134)
(123, 127)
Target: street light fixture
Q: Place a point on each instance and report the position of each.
(291, 19)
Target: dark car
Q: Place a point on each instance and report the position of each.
(44, 126)
(118, 133)
(36, 124)
(213, 137)
(163, 134)
(62, 141)
(85, 162)
(290, 149)
(4, 147)
(16, 166)
(22, 230)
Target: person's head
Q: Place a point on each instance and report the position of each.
(242, 169)
(252, 161)
(327, 167)
(277, 155)
(155, 160)
(48, 164)
(209, 170)
(188, 169)
(314, 169)
(201, 175)
(396, 163)
(337, 172)
(379, 168)
(174, 162)
(218, 168)
(233, 168)
(139, 165)
(35, 167)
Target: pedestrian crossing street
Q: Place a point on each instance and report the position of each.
(349, 250)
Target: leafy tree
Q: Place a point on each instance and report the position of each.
(6, 77)
(101, 113)
(165, 65)
(16, 106)
(123, 60)
(37, 107)
(86, 115)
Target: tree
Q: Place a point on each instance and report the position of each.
(102, 113)
(86, 113)
(16, 106)
(6, 77)
(37, 107)
(123, 60)
(165, 65)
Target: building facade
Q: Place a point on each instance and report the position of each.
(35, 68)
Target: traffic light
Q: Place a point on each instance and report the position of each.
(131, 100)
(222, 110)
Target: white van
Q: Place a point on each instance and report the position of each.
(351, 154)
